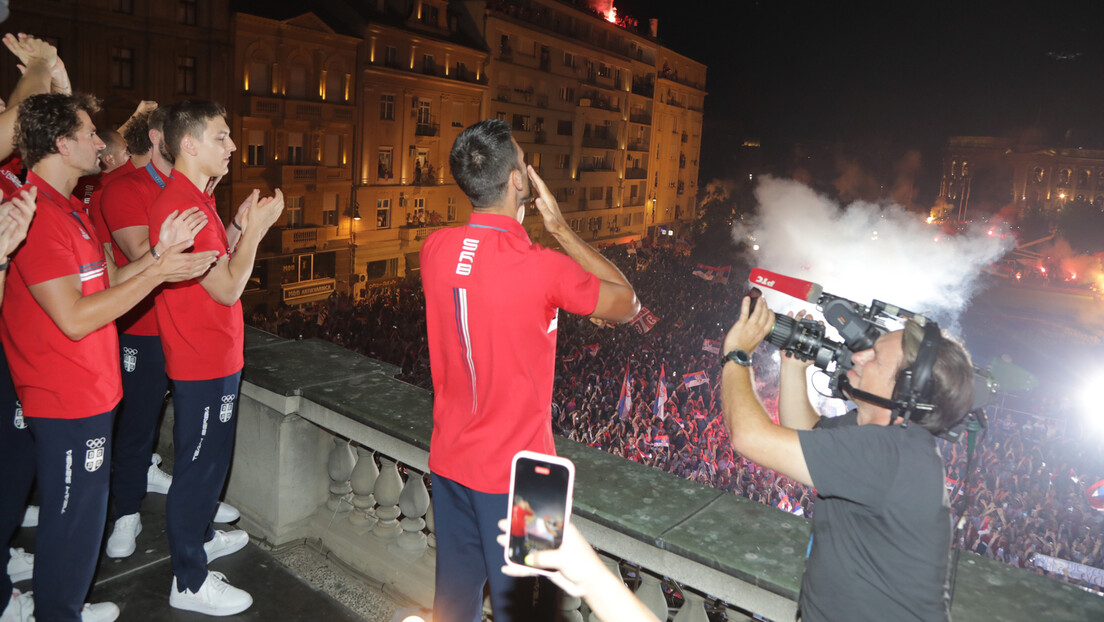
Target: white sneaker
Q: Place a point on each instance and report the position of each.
(99, 612)
(21, 565)
(224, 543)
(123, 536)
(226, 513)
(216, 597)
(30, 517)
(19, 608)
(157, 480)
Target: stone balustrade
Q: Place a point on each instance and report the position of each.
(331, 448)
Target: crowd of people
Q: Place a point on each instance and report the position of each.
(1028, 491)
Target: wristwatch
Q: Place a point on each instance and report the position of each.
(740, 357)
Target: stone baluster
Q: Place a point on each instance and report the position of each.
(651, 594)
(363, 480)
(387, 490)
(693, 608)
(339, 465)
(431, 539)
(414, 503)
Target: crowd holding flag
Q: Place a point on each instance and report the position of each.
(624, 404)
(591, 349)
(789, 504)
(712, 346)
(661, 394)
(696, 378)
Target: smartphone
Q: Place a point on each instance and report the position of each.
(540, 504)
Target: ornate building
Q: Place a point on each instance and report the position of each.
(1011, 172)
(294, 122)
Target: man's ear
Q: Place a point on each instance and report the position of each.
(187, 144)
(517, 178)
(62, 144)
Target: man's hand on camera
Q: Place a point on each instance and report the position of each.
(750, 330)
(788, 358)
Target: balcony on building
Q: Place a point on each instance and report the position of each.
(333, 450)
(644, 85)
(636, 172)
(639, 145)
(427, 126)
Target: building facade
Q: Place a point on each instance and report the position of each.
(610, 118)
(1018, 173)
(294, 115)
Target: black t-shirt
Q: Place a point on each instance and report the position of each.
(882, 525)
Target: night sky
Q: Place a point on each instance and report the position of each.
(875, 79)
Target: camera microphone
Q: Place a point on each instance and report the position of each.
(804, 290)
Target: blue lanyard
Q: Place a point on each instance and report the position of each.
(487, 227)
(152, 170)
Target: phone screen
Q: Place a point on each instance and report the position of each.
(540, 503)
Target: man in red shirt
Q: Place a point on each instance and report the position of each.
(202, 333)
(492, 302)
(125, 213)
(62, 296)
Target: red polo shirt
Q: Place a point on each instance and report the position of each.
(126, 202)
(203, 339)
(492, 301)
(9, 175)
(54, 376)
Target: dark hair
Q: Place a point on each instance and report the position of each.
(481, 161)
(189, 118)
(137, 134)
(112, 140)
(951, 385)
(44, 118)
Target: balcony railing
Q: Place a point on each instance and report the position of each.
(636, 173)
(644, 118)
(427, 129)
(337, 453)
(638, 145)
(600, 142)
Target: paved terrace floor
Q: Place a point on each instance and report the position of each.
(295, 584)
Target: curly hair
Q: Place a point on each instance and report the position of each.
(137, 134)
(188, 118)
(45, 118)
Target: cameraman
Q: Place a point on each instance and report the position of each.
(882, 528)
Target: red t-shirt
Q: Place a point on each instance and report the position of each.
(126, 202)
(54, 376)
(9, 175)
(492, 301)
(203, 339)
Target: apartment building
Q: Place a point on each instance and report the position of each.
(609, 117)
(294, 107)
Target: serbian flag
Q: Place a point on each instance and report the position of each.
(711, 345)
(704, 272)
(784, 503)
(592, 349)
(644, 320)
(1096, 495)
(661, 395)
(624, 404)
(695, 378)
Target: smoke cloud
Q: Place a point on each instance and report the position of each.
(866, 251)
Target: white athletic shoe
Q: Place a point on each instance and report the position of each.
(99, 612)
(19, 608)
(157, 480)
(21, 565)
(216, 597)
(30, 517)
(226, 513)
(225, 543)
(123, 537)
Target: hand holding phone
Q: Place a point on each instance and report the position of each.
(540, 505)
